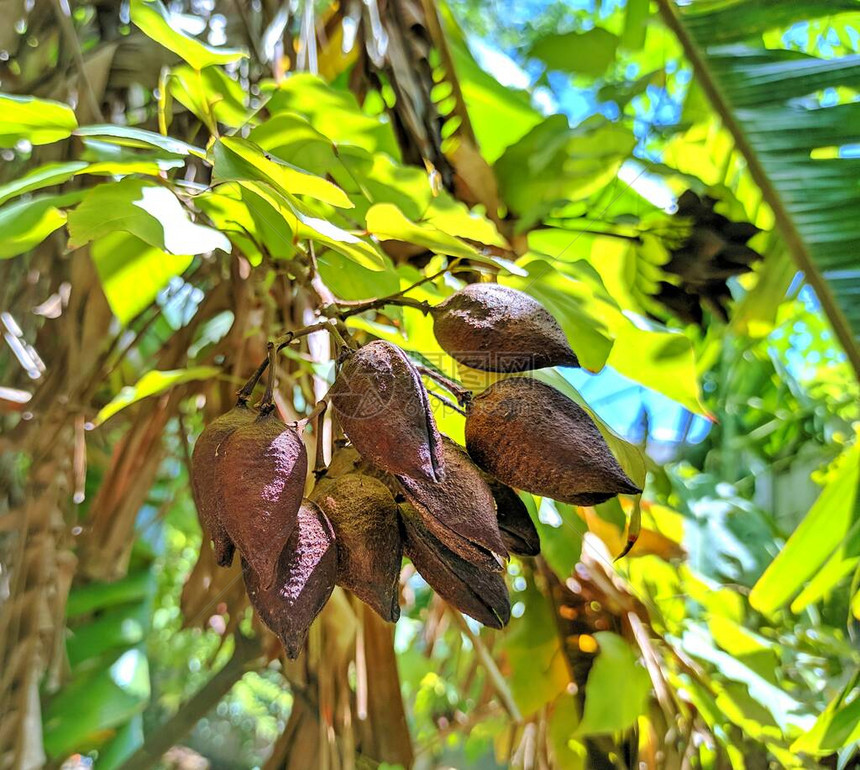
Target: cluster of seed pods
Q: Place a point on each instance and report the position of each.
(399, 486)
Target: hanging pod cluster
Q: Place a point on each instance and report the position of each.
(399, 486)
(248, 474)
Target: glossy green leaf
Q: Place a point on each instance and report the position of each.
(660, 360)
(616, 693)
(123, 627)
(43, 176)
(333, 112)
(133, 272)
(293, 139)
(500, 116)
(153, 19)
(587, 53)
(386, 222)
(239, 159)
(837, 727)
(821, 532)
(211, 94)
(38, 121)
(151, 384)
(129, 136)
(25, 224)
(148, 211)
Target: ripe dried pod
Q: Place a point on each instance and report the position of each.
(369, 547)
(498, 329)
(480, 593)
(305, 577)
(459, 510)
(530, 436)
(515, 524)
(384, 409)
(261, 476)
(204, 485)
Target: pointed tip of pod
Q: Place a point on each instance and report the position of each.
(531, 436)
(306, 575)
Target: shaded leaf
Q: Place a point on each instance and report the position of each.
(617, 689)
(151, 384)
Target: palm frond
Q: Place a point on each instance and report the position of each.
(791, 138)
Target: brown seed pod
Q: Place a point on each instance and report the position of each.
(305, 577)
(369, 546)
(498, 329)
(530, 436)
(204, 486)
(480, 593)
(384, 409)
(459, 510)
(261, 475)
(515, 524)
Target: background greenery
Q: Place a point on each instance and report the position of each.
(180, 185)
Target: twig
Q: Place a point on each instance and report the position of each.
(354, 308)
(463, 395)
(190, 713)
(450, 404)
(64, 16)
(496, 678)
(266, 405)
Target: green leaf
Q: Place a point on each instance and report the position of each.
(837, 727)
(25, 224)
(617, 689)
(151, 384)
(635, 24)
(585, 53)
(386, 222)
(500, 116)
(826, 526)
(280, 211)
(82, 713)
(569, 754)
(240, 160)
(554, 165)
(153, 19)
(211, 94)
(43, 176)
(333, 112)
(149, 211)
(349, 280)
(538, 674)
(57, 173)
(129, 136)
(292, 138)
(660, 360)
(38, 121)
(766, 98)
(99, 596)
(132, 272)
(118, 628)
